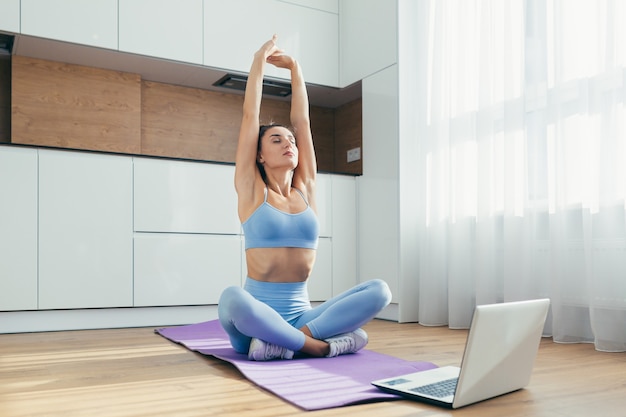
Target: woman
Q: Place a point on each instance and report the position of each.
(271, 317)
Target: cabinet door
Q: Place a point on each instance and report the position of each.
(378, 198)
(344, 225)
(367, 26)
(320, 282)
(10, 16)
(324, 204)
(162, 28)
(310, 35)
(175, 269)
(18, 229)
(184, 197)
(85, 230)
(331, 6)
(92, 22)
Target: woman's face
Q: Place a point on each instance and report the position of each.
(278, 148)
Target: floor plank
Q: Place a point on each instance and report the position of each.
(134, 372)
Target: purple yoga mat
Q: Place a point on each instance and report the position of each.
(309, 383)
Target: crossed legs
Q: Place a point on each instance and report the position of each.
(244, 317)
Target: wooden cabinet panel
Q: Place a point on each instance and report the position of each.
(192, 123)
(189, 123)
(5, 99)
(76, 107)
(323, 130)
(349, 135)
(71, 106)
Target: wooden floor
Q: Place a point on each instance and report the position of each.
(133, 372)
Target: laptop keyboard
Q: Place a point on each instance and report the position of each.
(438, 389)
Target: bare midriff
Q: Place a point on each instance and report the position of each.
(280, 264)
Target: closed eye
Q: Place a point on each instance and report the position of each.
(278, 139)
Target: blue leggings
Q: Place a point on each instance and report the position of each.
(274, 312)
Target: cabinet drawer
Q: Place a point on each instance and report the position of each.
(184, 197)
(176, 269)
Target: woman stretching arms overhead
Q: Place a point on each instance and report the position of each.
(275, 170)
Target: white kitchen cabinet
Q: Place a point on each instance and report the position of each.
(378, 227)
(344, 226)
(85, 230)
(18, 228)
(162, 28)
(320, 282)
(322, 277)
(10, 15)
(324, 203)
(331, 6)
(184, 269)
(184, 197)
(368, 38)
(92, 22)
(310, 35)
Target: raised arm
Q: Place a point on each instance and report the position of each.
(246, 172)
(306, 171)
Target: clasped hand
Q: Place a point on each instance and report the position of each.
(272, 54)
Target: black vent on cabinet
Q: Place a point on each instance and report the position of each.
(238, 82)
(6, 44)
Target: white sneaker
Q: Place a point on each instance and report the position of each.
(264, 351)
(347, 343)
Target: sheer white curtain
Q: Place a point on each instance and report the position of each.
(523, 160)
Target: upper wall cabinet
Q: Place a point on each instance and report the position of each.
(10, 16)
(91, 22)
(368, 38)
(331, 6)
(310, 35)
(162, 28)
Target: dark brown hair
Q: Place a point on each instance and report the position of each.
(262, 130)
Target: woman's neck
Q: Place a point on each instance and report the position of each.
(280, 184)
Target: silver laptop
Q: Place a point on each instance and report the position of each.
(499, 355)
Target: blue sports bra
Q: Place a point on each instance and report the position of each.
(269, 227)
